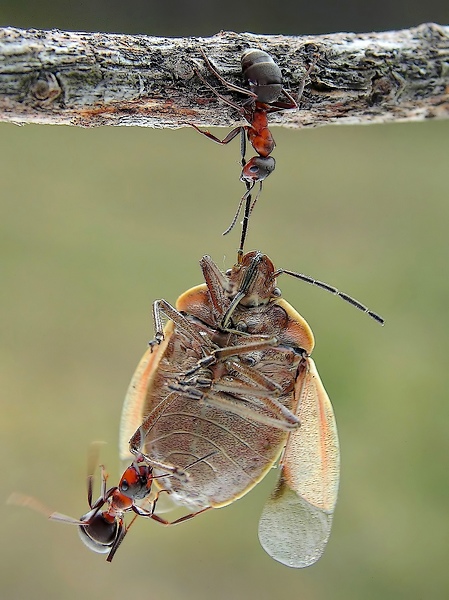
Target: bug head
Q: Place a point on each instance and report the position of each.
(252, 280)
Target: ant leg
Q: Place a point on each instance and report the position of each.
(219, 96)
(292, 102)
(180, 520)
(303, 80)
(243, 145)
(119, 539)
(230, 86)
(212, 137)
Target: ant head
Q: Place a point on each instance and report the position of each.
(258, 168)
(136, 481)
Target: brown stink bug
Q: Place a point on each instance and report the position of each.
(225, 389)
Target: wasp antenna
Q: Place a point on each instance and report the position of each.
(334, 291)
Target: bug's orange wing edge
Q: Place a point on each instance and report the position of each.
(134, 403)
(296, 520)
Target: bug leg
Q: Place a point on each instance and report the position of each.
(137, 442)
(253, 375)
(162, 307)
(217, 285)
(245, 222)
(283, 418)
(256, 343)
(249, 390)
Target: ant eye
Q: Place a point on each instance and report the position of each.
(228, 272)
(124, 486)
(254, 169)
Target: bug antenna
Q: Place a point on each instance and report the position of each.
(335, 291)
(245, 223)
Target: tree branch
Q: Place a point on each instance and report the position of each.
(93, 79)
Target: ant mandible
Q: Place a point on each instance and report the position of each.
(264, 79)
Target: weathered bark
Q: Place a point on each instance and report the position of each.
(92, 79)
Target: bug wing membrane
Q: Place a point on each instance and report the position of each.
(296, 520)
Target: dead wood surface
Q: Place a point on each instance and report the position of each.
(94, 79)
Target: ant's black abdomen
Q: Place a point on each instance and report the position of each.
(262, 75)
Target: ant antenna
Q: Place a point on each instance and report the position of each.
(242, 199)
(334, 291)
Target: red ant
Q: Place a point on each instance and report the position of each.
(103, 530)
(264, 79)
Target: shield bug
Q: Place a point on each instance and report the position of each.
(263, 78)
(230, 377)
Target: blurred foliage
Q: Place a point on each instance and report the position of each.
(96, 224)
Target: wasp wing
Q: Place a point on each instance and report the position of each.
(296, 520)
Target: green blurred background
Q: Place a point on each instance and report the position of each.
(96, 224)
